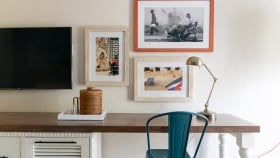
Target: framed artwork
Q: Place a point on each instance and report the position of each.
(162, 79)
(106, 56)
(173, 26)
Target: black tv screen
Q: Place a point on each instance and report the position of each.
(36, 58)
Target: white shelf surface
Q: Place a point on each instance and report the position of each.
(71, 116)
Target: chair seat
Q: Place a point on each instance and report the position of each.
(162, 153)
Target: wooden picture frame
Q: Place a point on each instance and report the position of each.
(173, 26)
(106, 56)
(162, 79)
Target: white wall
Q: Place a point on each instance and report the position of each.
(245, 59)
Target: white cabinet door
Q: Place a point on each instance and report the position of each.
(10, 147)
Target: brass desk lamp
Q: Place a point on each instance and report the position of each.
(196, 61)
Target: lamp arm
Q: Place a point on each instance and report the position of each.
(215, 79)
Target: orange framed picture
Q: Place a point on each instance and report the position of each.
(173, 26)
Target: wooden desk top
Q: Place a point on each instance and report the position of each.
(114, 122)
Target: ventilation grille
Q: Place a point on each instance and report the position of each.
(56, 150)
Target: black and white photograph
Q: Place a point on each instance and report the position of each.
(173, 26)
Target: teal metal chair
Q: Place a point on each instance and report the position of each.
(179, 123)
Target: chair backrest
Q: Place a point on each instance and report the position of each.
(179, 123)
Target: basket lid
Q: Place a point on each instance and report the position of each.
(92, 89)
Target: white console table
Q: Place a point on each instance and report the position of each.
(224, 125)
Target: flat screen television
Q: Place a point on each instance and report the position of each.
(36, 58)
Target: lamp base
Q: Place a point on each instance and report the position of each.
(210, 115)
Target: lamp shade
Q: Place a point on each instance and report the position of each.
(195, 61)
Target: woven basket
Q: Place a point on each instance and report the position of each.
(90, 101)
